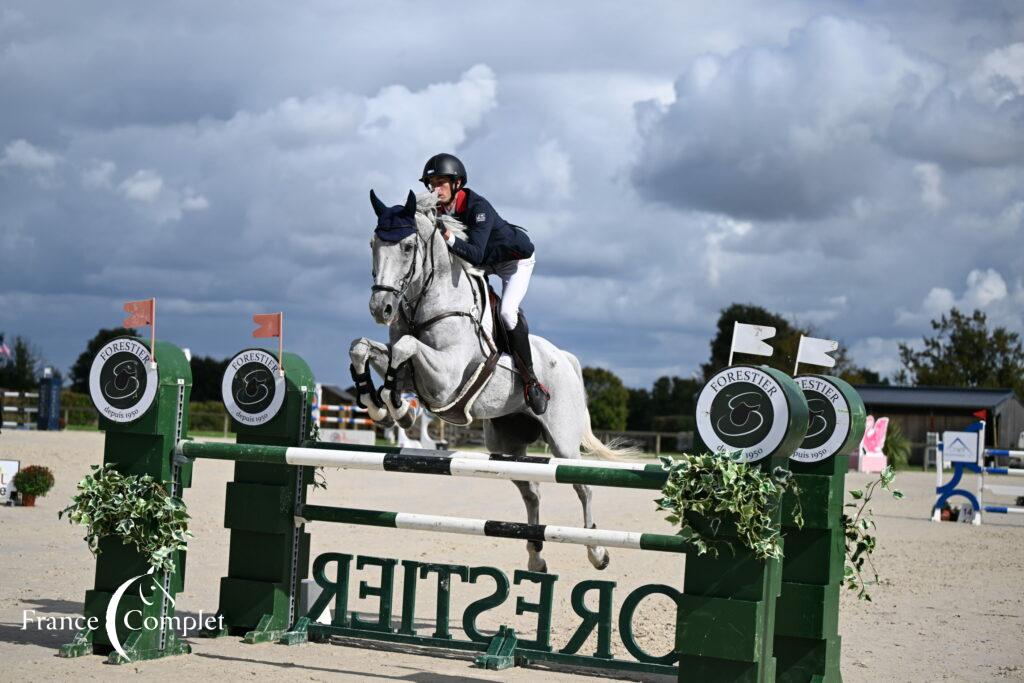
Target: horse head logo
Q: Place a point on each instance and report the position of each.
(255, 387)
(818, 424)
(115, 600)
(125, 381)
(744, 415)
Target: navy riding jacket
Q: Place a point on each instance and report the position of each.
(489, 239)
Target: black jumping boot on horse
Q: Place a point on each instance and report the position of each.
(537, 394)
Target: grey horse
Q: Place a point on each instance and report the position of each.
(440, 337)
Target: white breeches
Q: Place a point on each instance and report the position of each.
(515, 279)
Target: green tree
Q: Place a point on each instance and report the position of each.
(80, 370)
(21, 371)
(640, 410)
(207, 374)
(607, 399)
(785, 342)
(965, 353)
(857, 375)
(787, 336)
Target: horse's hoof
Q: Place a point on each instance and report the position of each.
(603, 562)
(542, 567)
(406, 420)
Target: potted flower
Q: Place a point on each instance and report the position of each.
(34, 480)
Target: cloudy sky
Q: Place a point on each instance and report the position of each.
(855, 166)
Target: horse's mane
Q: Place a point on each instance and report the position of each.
(426, 215)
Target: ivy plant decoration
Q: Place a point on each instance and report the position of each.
(857, 525)
(136, 509)
(715, 483)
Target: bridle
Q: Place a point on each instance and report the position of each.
(404, 281)
(409, 308)
(470, 388)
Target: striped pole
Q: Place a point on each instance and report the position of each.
(1007, 471)
(1002, 452)
(1004, 510)
(333, 407)
(451, 463)
(483, 527)
(326, 419)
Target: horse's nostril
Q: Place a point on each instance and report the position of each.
(387, 311)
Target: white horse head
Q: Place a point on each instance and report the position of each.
(406, 246)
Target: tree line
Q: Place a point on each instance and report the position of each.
(963, 351)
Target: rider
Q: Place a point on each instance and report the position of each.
(496, 246)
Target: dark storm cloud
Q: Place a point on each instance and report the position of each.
(853, 165)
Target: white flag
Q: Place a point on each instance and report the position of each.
(748, 339)
(815, 351)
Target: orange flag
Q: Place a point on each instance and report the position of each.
(269, 324)
(139, 313)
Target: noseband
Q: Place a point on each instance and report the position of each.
(399, 290)
(410, 316)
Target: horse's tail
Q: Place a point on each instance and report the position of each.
(592, 446)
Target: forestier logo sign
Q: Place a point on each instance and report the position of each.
(743, 408)
(122, 381)
(253, 389)
(828, 424)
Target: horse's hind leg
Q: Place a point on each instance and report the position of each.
(530, 491)
(597, 554)
(509, 435)
(568, 446)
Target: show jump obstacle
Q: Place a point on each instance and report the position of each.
(738, 618)
(966, 452)
(33, 409)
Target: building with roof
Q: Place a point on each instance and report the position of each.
(920, 410)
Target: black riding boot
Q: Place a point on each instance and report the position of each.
(537, 394)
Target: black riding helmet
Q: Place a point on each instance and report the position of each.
(446, 165)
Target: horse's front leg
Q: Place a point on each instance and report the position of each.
(363, 353)
(425, 359)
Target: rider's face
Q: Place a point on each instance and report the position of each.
(442, 185)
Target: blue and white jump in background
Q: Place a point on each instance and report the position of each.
(966, 452)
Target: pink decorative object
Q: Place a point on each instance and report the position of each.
(871, 458)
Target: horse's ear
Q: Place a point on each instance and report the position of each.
(410, 205)
(378, 205)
